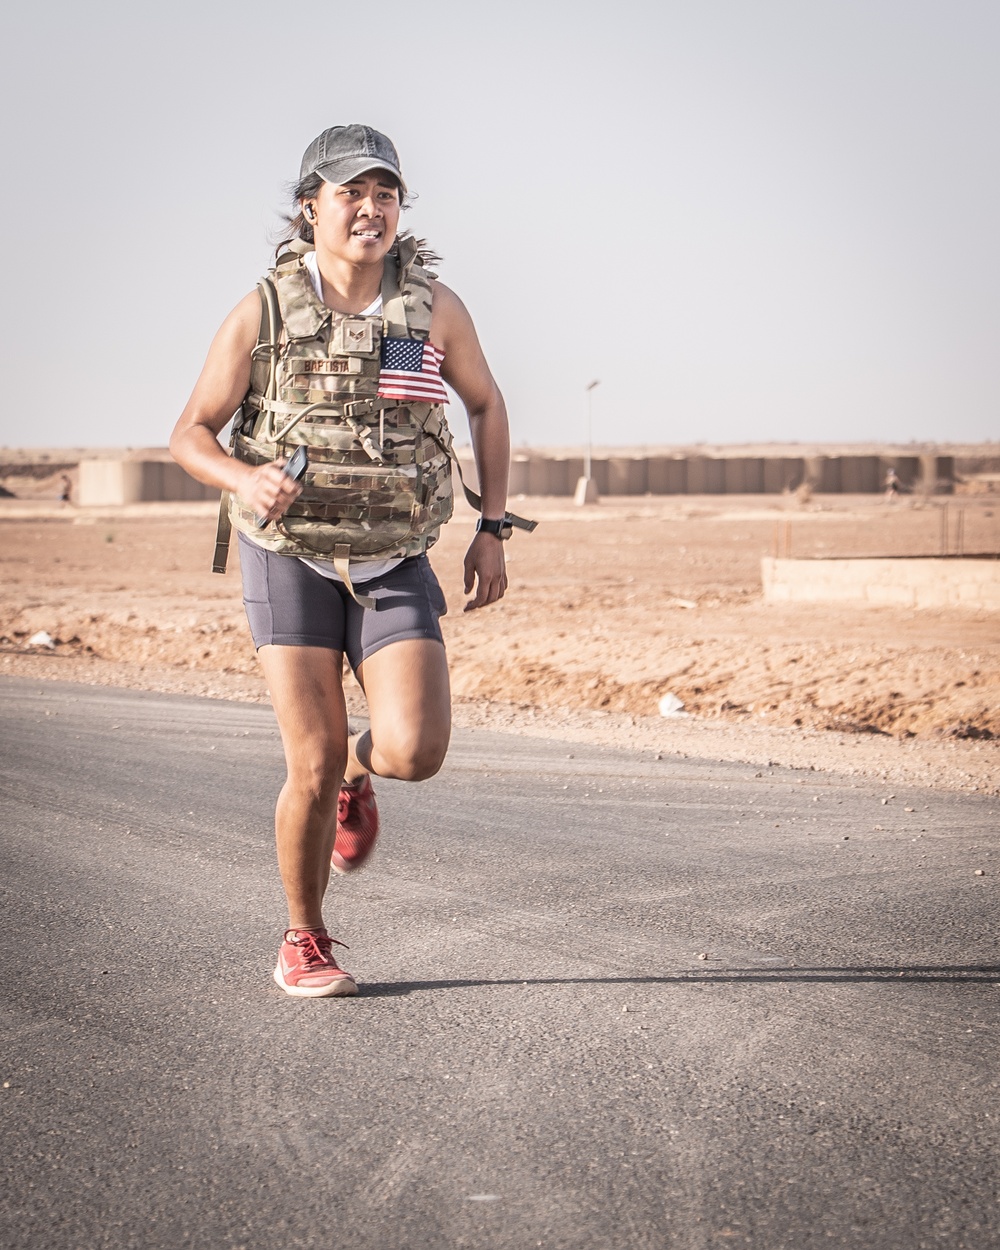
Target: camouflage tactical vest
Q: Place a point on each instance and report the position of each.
(378, 485)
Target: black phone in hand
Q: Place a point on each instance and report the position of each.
(295, 468)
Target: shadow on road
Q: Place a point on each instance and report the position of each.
(955, 974)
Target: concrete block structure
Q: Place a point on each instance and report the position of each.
(937, 474)
(121, 481)
(743, 475)
(823, 474)
(539, 476)
(599, 472)
(628, 475)
(558, 480)
(753, 469)
(706, 476)
(907, 469)
(667, 475)
(781, 473)
(573, 472)
(859, 475)
(518, 477)
(909, 582)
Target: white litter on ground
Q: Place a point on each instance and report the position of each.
(670, 705)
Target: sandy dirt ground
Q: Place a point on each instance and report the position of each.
(610, 608)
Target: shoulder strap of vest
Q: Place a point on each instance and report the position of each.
(268, 334)
(291, 250)
(418, 293)
(393, 305)
(406, 293)
(302, 312)
(223, 533)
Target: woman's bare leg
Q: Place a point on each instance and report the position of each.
(409, 703)
(308, 699)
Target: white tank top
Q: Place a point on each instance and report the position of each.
(361, 570)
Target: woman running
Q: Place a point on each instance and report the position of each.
(339, 357)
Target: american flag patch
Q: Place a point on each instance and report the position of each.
(411, 370)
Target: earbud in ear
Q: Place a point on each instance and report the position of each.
(309, 213)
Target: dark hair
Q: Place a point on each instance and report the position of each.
(298, 228)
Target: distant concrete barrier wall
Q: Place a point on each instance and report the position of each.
(114, 482)
(667, 475)
(627, 475)
(532, 474)
(956, 582)
(860, 475)
(783, 473)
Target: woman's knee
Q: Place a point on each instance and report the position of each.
(413, 758)
(317, 775)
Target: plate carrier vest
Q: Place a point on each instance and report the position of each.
(378, 484)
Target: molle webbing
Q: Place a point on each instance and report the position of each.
(378, 484)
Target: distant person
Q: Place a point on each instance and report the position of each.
(891, 485)
(65, 489)
(344, 350)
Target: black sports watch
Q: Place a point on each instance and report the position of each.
(499, 529)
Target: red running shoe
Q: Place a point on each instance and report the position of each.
(306, 966)
(357, 826)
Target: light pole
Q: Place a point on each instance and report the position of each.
(586, 487)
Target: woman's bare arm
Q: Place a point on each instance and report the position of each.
(465, 369)
(218, 392)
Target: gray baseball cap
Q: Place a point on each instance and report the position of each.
(345, 152)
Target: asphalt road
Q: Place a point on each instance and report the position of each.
(538, 1057)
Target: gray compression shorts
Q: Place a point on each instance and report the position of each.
(288, 604)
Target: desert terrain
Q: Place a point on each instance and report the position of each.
(610, 608)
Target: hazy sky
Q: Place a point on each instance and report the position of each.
(750, 219)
